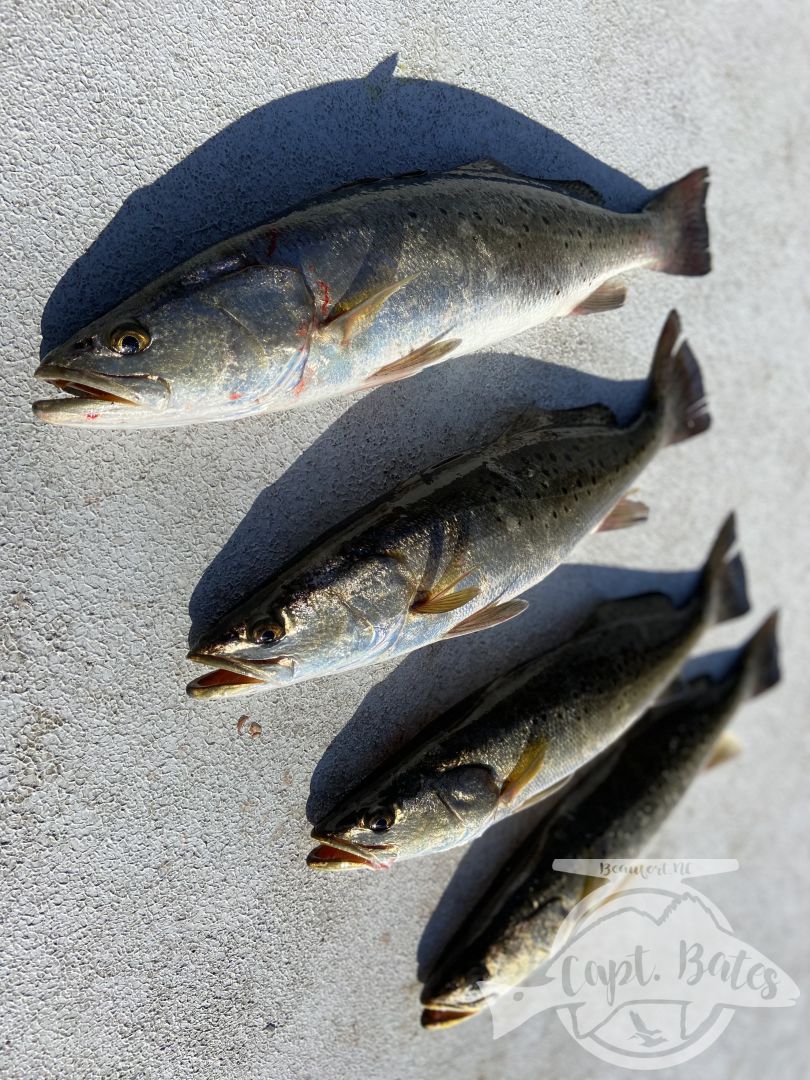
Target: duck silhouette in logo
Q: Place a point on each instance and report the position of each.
(645, 1035)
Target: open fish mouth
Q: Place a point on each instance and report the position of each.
(438, 1016)
(334, 854)
(94, 396)
(235, 678)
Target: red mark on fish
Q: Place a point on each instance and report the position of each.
(234, 395)
(326, 300)
(91, 415)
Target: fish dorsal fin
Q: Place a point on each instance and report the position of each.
(486, 165)
(644, 606)
(577, 189)
(536, 419)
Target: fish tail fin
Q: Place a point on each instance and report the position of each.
(724, 577)
(760, 658)
(676, 385)
(681, 229)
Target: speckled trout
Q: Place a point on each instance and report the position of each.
(522, 738)
(450, 551)
(367, 285)
(512, 929)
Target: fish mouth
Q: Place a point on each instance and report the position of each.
(437, 1017)
(334, 854)
(94, 396)
(235, 678)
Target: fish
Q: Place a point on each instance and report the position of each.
(511, 930)
(523, 737)
(450, 551)
(364, 286)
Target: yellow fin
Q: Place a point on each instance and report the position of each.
(727, 746)
(356, 312)
(612, 294)
(492, 615)
(441, 602)
(591, 884)
(626, 512)
(529, 765)
(413, 363)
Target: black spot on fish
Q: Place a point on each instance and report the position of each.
(545, 220)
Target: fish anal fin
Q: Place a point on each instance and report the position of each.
(413, 363)
(727, 746)
(609, 296)
(625, 513)
(352, 314)
(492, 615)
(441, 602)
(525, 771)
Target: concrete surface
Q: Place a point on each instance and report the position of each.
(159, 920)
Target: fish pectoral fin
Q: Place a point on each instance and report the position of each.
(546, 793)
(413, 363)
(354, 313)
(492, 615)
(528, 766)
(610, 295)
(626, 512)
(444, 600)
(727, 746)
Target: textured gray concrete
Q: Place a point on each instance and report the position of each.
(159, 920)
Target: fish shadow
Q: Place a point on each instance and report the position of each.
(489, 853)
(385, 437)
(294, 148)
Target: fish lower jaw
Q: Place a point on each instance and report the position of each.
(93, 397)
(227, 679)
(330, 854)
(437, 1017)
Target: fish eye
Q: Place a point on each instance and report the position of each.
(129, 339)
(265, 633)
(379, 820)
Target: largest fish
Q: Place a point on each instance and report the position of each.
(450, 551)
(369, 284)
(513, 927)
